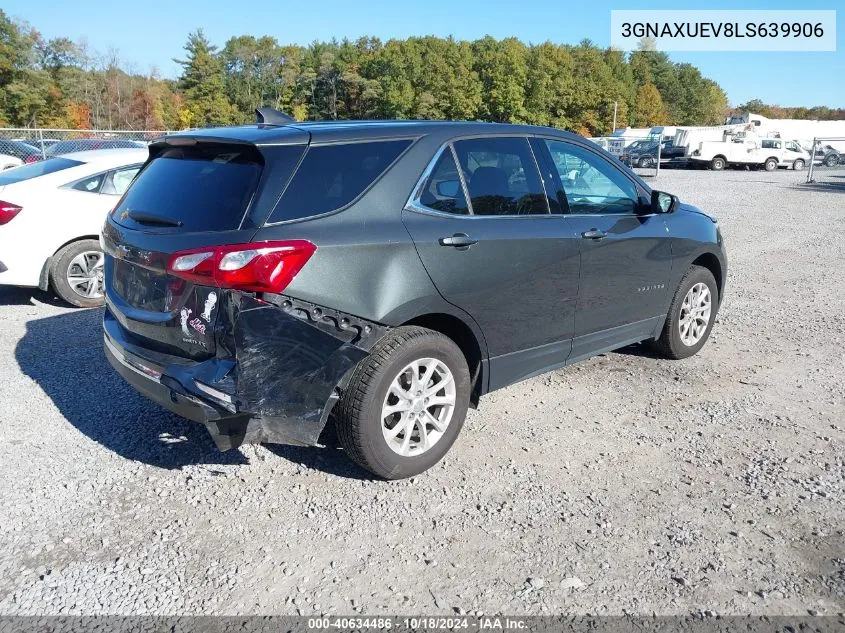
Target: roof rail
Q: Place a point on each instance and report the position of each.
(270, 116)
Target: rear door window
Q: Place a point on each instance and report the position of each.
(118, 181)
(203, 187)
(91, 184)
(501, 176)
(332, 176)
(34, 170)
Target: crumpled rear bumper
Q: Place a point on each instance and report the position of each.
(274, 378)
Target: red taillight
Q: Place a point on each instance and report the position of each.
(255, 267)
(32, 158)
(8, 211)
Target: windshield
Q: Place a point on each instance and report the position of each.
(34, 170)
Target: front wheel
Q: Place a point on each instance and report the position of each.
(798, 165)
(405, 403)
(690, 316)
(718, 163)
(76, 274)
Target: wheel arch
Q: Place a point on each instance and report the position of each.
(44, 277)
(465, 338)
(79, 238)
(711, 262)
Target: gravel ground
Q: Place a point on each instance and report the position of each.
(625, 484)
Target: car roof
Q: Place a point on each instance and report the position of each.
(120, 156)
(328, 131)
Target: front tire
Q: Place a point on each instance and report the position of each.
(691, 315)
(718, 163)
(76, 274)
(798, 165)
(405, 403)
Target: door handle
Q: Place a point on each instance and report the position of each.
(459, 240)
(594, 234)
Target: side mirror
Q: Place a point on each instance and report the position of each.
(448, 188)
(662, 202)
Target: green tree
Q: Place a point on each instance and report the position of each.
(502, 67)
(202, 83)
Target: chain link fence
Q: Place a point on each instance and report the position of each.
(827, 164)
(27, 145)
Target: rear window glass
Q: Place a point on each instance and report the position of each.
(33, 170)
(206, 188)
(332, 176)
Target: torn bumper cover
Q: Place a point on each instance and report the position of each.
(274, 378)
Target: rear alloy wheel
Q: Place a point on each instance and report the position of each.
(771, 164)
(798, 165)
(646, 161)
(77, 274)
(831, 160)
(717, 164)
(405, 403)
(690, 316)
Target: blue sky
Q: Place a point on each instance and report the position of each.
(150, 33)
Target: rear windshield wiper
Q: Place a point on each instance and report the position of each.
(151, 218)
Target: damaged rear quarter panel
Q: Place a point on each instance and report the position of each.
(290, 358)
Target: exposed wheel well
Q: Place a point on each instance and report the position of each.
(464, 338)
(711, 263)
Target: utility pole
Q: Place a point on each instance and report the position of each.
(615, 104)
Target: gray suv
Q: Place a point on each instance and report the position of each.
(267, 279)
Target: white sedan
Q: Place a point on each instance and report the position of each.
(51, 213)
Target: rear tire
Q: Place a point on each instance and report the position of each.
(717, 164)
(76, 274)
(831, 160)
(393, 436)
(687, 309)
(771, 164)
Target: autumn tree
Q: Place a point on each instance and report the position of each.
(649, 109)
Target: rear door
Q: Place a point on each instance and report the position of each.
(192, 193)
(625, 254)
(486, 234)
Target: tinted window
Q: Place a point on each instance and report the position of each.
(332, 176)
(501, 176)
(590, 183)
(443, 190)
(207, 188)
(91, 184)
(33, 170)
(118, 181)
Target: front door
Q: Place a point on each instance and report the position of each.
(487, 238)
(626, 255)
